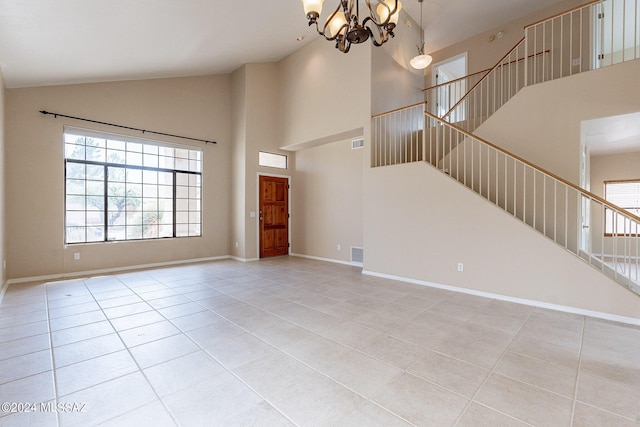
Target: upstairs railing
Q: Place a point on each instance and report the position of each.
(595, 35)
(501, 83)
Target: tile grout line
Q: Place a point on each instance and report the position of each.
(53, 364)
(368, 399)
(577, 381)
(405, 371)
(265, 398)
(491, 371)
(184, 333)
(132, 358)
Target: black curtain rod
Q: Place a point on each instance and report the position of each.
(56, 115)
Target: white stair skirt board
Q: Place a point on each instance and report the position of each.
(533, 303)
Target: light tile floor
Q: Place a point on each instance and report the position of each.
(291, 341)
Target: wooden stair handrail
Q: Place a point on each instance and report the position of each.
(482, 79)
(536, 167)
(375, 116)
(455, 80)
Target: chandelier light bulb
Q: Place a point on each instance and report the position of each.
(383, 11)
(312, 7)
(337, 23)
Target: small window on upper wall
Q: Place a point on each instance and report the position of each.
(272, 160)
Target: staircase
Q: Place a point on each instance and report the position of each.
(598, 34)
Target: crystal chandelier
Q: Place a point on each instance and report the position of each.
(345, 26)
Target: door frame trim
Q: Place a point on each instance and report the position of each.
(257, 218)
(464, 55)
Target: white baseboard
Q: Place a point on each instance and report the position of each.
(3, 291)
(335, 261)
(112, 270)
(244, 259)
(533, 303)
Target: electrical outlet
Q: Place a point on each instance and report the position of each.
(339, 247)
(76, 256)
(236, 244)
(460, 266)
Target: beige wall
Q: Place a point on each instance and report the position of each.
(327, 199)
(3, 246)
(238, 161)
(324, 92)
(542, 123)
(485, 54)
(263, 134)
(394, 83)
(197, 107)
(612, 167)
(427, 224)
(255, 106)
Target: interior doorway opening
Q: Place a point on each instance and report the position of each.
(447, 95)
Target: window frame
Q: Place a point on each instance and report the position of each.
(278, 155)
(609, 214)
(193, 160)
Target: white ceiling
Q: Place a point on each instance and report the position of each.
(45, 42)
(612, 135)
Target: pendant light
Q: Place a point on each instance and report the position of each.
(421, 61)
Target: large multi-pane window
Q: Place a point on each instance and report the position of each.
(122, 188)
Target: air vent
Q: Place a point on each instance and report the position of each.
(357, 255)
(357, 143)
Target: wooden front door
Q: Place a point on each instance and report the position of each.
(274, 216)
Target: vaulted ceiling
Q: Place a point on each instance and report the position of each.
(46, 42)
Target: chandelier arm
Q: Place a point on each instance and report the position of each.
(347, 8)
(373, 16)
(371, 13)
(346, 46)
(383, 35)
(326, 24)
